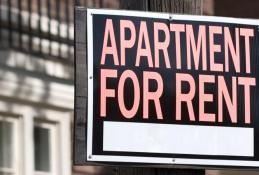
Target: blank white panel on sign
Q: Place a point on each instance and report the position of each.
(178, 139)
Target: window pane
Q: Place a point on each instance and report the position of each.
(6, 145)
(42, 149)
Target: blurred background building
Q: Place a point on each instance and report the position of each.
(36, 82)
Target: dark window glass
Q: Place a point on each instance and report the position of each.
(42, 149)
(6, 145)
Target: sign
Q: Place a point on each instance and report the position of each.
(168, 89)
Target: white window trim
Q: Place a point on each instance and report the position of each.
(16, 137)
(54, 145)
(27, 115)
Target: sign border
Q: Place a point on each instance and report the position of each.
(150, 160)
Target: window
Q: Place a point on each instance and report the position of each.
(8, 146)
(45, 152)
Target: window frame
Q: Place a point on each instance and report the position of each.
(54, 145)
(16, 136)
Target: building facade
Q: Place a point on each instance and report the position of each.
(37, 87)
(36, 96)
